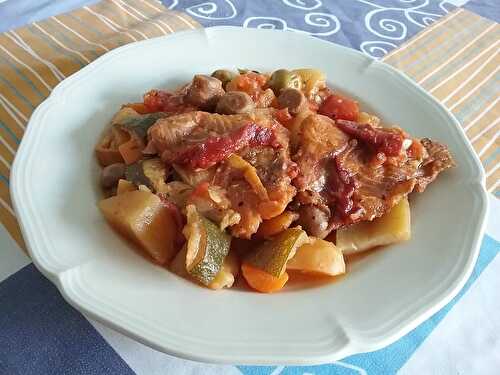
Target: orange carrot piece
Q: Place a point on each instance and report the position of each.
(277, 224)
(139, 108)
(261, 281)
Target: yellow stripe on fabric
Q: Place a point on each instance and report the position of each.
(481, 57)
(138, 9)
(78, 33)
(430, 46)
(14, 78)
(69, 38)
(8, 144)
(491, 147)
(488, 83)
(9, 221)
(110, 24)
(483, 118)
(28, 60)
(23, 71)
(147, 14)
(132, 21)
(53, 45)
(89, 23)
(492, 179)
(119, 20)
(143, 23)
(151, 8)
(12, 97)
(14, 118)
(96, 30)
(180, 20)
(63, 63)
(458, 89)
(7, 217)
(6, 158)
(423, 34)
(459, 51)
(428, 37)
(444, 52)
(60, 44)
(4, 171)
(27, 71)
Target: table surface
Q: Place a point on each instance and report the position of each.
(454, 345)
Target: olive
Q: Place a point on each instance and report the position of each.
(111, 174)
(245, 71)
(235, 102)
(292, 99)
(224, 76)
(282, 79)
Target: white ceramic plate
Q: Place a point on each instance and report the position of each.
(55, 190)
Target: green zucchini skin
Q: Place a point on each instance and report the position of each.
(141, 125)
(273, 254)
(217, 247)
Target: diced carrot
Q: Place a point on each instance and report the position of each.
(139, 108)
(277, 224)
(261, 281)
(251, 83)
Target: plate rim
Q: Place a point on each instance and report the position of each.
(477, 182)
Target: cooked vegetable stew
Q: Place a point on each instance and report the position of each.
(270, 174)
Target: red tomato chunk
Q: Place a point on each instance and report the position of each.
(215, 149)
(339, 107)
(383, 140)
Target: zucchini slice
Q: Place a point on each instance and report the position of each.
(207, 247)
(149, 172)
(141, 124)
(273, 255)
(226, 276)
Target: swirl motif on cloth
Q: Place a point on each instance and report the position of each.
(373, 26)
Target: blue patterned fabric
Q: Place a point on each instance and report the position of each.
(372, 26)
(486, 8)
(42, 334)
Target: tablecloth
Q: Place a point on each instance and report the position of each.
(39, 333)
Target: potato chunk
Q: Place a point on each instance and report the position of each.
(141, 217)
(125, 186)
(318, 256)
(393, 227)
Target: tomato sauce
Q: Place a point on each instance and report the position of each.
(215, 149)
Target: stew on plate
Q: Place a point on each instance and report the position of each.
(263, 175)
